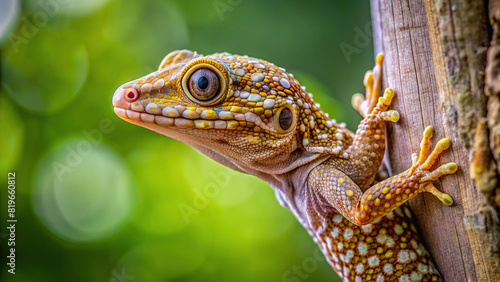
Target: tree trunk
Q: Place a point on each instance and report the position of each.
(435, 60)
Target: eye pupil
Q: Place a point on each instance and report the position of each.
(202, 82)
(285, 119)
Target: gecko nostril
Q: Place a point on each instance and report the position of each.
(130, 95)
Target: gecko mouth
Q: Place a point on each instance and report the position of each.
(181, 116)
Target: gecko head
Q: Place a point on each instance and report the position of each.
(243, 112)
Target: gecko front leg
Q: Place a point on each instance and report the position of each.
(361, 208)
(368, 147)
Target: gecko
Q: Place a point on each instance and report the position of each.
(254, 117)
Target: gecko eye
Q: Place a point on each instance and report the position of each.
(285, 119)
(204, 84)
(205, 81)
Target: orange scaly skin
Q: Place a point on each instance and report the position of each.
(254, 117)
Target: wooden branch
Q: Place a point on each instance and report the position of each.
(435, 56)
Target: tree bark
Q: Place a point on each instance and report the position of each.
(435, 60)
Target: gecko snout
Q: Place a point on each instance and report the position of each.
(124, 97)
(130, 95)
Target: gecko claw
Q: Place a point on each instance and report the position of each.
(444, 198)
(390, 116)
(372, 82)
(425, 161)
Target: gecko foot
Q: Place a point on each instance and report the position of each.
(383, 104)
(373, 82)
(421, 166)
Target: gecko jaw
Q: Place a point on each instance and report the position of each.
(181, 116)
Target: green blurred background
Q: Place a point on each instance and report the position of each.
(99, 199)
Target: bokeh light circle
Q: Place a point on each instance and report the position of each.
(37, 81)
(9, 15)
(82, 191)
(12, 131)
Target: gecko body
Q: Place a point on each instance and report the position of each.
(256, 118)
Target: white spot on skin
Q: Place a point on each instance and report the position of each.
(380, 278)
(285, 83)
(381, 238)
(360, 268)
(239, 72)
(335, 258)
(337, 267)
(340, 246)
(373, 261)
(403, 257)
(388, 268)
(366, 228)
(337, 218)
(244, 94)
(348, 256)
(348, 233)
(414, 244)
(390, 215)
(422, 268)
(358, 279)
(259, 66)
(335, 232)
(346, 270)
(389, 242)
(329, 123)
(268, 103)
(416, 276)
(362, 248)
(305, 142)
(421, 250)
(413, 256)
(399, 211)
(404, 278)
(432, 269)
(407, 212)
(322, 246)
(257, 76)
(398, 229)
(339, 136)
(254, 97)
(329, 243)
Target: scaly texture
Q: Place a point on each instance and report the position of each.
(254, 117)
